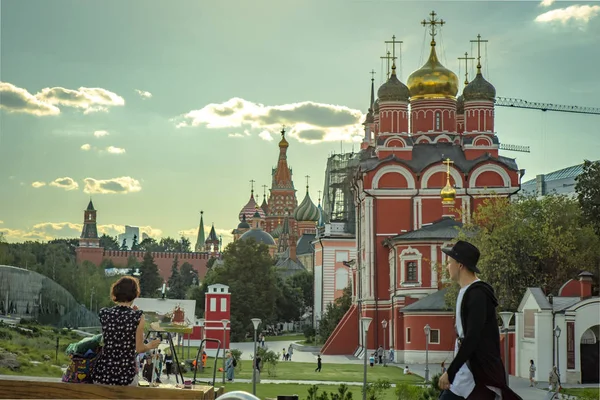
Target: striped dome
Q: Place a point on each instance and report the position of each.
(250, 208)
(306, 211)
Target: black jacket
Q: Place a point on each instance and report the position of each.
(480, 347)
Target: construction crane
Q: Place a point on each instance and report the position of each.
(518, 103)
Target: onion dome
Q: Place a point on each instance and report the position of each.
(321, 221)
(306, 211)
(250, 208)
(376, 107)
(370, 117)
(448, 193)
(259, 236)
(244, 224)
(393, 89)
(283, 143)
(460, 105)
(432, 80)
(479, 89)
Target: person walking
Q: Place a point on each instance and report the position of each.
(168, 364)
(380, 354)
(477, 372)
(229, 367)
(290, 352)
(319, 364)
(554, 380)
(532, 370)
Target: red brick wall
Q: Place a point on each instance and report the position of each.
(442, 322)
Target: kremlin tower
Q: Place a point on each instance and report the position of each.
(427, 161)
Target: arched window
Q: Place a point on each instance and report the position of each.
(438, 121)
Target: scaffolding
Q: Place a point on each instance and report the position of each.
(338, 200)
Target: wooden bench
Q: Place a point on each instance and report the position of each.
(40, 388)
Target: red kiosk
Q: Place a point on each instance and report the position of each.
(217, 310)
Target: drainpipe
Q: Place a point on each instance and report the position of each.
(359, 266)
(375, 266)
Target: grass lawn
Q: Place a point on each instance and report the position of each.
(272, 390)
(330, 372)
(584, 393)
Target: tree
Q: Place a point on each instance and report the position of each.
(530, 242)
(334, 313)
(149, 244)
(124, 244)
(132, 264)
(109, 242)
(189, 276)
(304, 282)
(150, 279)
(176, 289)
(134, 243)
(196, 293)
(588, 193)
(249, 272)
(288, 302)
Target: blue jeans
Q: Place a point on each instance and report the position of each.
(448, 395)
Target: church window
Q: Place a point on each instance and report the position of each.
(411, 271)
(407, 335)
(438, 121)
(434, 336)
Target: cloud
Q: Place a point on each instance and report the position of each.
(99, 134)
(86, 147)
(266, 135)
(38, 184)
(65, 183)
(115, 150)
(546, 3)
(143, 94)
(15, 99)
(236, 135)
(88, 99)
(123, 184)
(576, 13)
(334, 122)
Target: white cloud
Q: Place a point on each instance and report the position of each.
(88, 99)
(547, 3)
(65, 183)
(265, 135)
(99, 134)
(236, 135)
(86, 147)
(311, 122)
(143, 94)
(115, 150)
(577, 13)
(123, 184)
(16, 99)
(38, 184)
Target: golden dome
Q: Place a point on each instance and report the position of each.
(448, 193)
(433, 80)
(283, 142)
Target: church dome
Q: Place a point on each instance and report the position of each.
(244, 224)
(433, 80)
(370, 117)
(460, 105)
(448, 193)
(321, 221)
(393, 89)
(479, 89)
(259, 236)
(250, 208)
(306, 211)
(376, 107)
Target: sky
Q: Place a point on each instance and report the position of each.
(157, 110)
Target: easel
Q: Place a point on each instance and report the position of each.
(200, 355)
(173, 352)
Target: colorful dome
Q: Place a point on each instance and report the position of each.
(244, 224)
(432, 80)
(306, 211)
(448, 193)
(393, 89)
(259, 236)
(479, 89)
(250, 208)
(283, 142)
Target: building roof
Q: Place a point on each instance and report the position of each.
(443, 229)
(288, 267)
(259, 236)
(212, 236)
(90, 206)
(565, 173)
(433, 302)
(304, 244)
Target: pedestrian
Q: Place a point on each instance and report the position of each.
(262, 339)
(372, 359)
(168, 364)
(554, 380)
(229, 367)
(380, 354)
(407, 371)
(319, 364)
(283, 355)
(477, 371)
(123, 334)
(531, 373)
(160, 364)
(290, 352)
(391, 355)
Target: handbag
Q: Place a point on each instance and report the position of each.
(80, 368)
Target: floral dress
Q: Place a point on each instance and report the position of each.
(116, 364)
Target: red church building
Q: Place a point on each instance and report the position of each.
(424, 169)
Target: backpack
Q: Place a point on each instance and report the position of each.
(234, 362)
(80, 369)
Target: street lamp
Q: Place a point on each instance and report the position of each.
(384, 323)
(557, 334)
(427, 330)
(224, 322)
(255, 322)
(366, 321)
(506, 317)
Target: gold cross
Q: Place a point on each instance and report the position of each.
(466, 58)
(479, 41)
(282, 130)
(394, 42)
(388, 57)
(433, 23)
(448, 162)
(252, 185)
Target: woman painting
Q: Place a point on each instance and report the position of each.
(229, 367)
(123, 333)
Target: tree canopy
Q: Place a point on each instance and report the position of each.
(588, 193)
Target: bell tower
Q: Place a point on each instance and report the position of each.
(89, 244)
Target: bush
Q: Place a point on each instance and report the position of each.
(237, 354)
(270, 359)
(375, 390)
(408, 392)
(309, 333)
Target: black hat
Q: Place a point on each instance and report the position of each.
(465, 253)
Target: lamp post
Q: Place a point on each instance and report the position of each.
(427, 329)
(384, 324)
(366, 321)
(224, 322)
(255, 323)
(506, 317)
(557, 334)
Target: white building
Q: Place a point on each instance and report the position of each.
(573, 316)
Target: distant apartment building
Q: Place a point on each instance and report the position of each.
(558, 182)
(130, 232)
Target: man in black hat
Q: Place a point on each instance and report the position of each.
(477, 372)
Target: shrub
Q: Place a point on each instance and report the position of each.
(270, 359)
(309, 333)
(237, 354)
(375, 390)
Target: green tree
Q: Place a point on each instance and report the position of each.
(188, 275)
(109, 242)
(248, 271)
(175, 282)
(334, 313)
(124, 244)
(304, 282)
(288, 302)
(588, 193)
(530, 242)
(150, 279)
(196, 293)
(149, 244)
(134, 243)
(132, 265)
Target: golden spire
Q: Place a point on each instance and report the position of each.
(479, 41)
(448, 193)
(433, 22)
(466, 58)
(283, 142)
